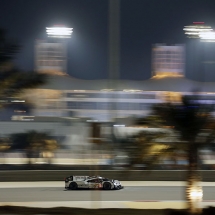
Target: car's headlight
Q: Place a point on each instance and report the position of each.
(117, 183)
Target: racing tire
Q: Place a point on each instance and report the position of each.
(107, 186)
(73, 186)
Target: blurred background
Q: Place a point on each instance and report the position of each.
(54, 117)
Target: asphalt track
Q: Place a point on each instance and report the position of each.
(134, 195)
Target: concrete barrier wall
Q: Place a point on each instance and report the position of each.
(57, 175)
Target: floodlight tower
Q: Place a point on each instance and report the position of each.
(114, 39)
(114, 49)
(200, 51)
(51, 55)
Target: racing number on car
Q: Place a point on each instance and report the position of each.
(97, 186)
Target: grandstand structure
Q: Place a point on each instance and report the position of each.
(105, 100)
(177, 70)
(66, 96)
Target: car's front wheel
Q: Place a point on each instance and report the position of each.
(73, 186)
(107, 186)
(117, 187)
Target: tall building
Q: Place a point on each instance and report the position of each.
(51, 54)
(50, 57)
(168, 60)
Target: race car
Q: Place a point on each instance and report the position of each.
(91, 182)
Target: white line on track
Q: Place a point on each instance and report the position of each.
(107, 204)
(124, 183)
(103, 204)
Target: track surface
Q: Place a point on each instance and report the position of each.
(130, 193)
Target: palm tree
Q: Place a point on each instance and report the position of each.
(8, 50)
(143, 148)
(191, 121)
(12, 80)
(4, 147)
(34, 142)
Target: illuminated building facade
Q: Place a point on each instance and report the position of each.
(50, 57)
(67, 96)
(168, 60)
(171, 66)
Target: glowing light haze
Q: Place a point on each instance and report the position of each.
(59, 32)
(194, 31)
(208, 36)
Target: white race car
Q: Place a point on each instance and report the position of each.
(91, 182)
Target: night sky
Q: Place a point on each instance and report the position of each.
(143, 23)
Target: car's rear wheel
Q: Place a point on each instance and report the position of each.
(73, 186)
(107, 186)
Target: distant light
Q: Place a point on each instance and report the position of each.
(159, 76)
(193, 31)
(132, 90)
(79, 91)
(40, 162)
(19, 111)
(59, 32)
(196, 193)
(207, 35)
(198, 22)
(107, 90)
(119, 125)
(92, 120)
(17, 100)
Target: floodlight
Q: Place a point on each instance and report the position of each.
(194, 31)
(59, 32)
(207, 35)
